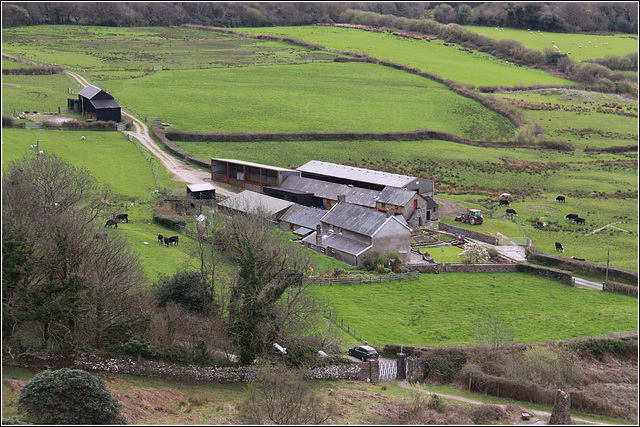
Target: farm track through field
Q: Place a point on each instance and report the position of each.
(181, 170)
(406, 385)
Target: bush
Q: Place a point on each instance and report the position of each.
(183, 288)
(69, 396)
(549, 366)
(599, 346)
(488, 414)
(444, 365)
(7, 121)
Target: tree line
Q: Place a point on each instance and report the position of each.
(545, 16)
(69, 286)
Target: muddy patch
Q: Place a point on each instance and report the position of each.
(545, 209)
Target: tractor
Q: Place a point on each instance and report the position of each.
(473, 217)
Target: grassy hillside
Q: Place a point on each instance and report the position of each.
(444, 309)
(313, 97)
(578, 46)
(36, 93)
(434, 57)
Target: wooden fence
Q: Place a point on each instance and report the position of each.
(328, 280)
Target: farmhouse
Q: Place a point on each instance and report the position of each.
(250, 202)
(95, 104)
(347, 232)
(413, 206)
(248, 175)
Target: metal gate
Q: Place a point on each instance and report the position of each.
(388, 370)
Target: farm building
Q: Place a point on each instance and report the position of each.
(347, 232)
(248, 175)
(204, 191)
(364, 178)
(250, 202)
(95, 104)
(301, 220)
(413, 206)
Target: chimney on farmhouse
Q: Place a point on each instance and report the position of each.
(318, 234)
(342, 197)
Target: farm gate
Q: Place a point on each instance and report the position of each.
(388, 370)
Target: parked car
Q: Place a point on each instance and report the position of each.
(363, 352)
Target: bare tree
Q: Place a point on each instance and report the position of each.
(282, 397)
(495, 331)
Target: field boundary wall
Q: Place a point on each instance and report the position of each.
(468, 233)
(616, 274)
(178, 372)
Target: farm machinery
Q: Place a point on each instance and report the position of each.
(473, 217)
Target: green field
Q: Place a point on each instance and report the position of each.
(434, 57)
(445, 308)
(593, 45)
(136, 49)
(46, 93)
(313, 97)
(108, 155)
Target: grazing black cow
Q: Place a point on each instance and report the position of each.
(560, 199)
(504, 202)
(512, 212)
(111, 222)
(160, 238)
(577, 259)
(559, 247)
(571, 216)
(101, 236)
(579, 220)
(171, 240)
(124, 217)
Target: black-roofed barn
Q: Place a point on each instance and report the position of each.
(95, 104)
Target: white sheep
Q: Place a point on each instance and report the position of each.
(83, 137)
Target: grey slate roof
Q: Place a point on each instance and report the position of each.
(357, 174)
(252, 202)
(430, 202)
(90, 91)
(339, 242)
(395, 196)
(331, 190)
(303, 216)
(357, 219)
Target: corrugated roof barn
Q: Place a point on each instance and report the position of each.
(94, 103)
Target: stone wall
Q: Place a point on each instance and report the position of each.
(561, 276)
(481, 268)
(468, 233)
(616, 274)
(150, 368)
(415, 369)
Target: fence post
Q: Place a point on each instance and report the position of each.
(374, 370)
(401, 363)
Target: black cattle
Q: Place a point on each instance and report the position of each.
(504, 202)
(124, 217)
(560, 199)
(512, 212)
(578, 259)
(571, 216)
(111, 222)
(160, 238)
(171, 240)
(559, 247)
(579, 220)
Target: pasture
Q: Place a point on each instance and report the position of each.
(108, 155)
(445, 61)
(136, 49)
(46, 93)
(311, 97)
(579, 47)
(445, 308)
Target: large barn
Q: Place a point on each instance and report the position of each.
(95, 104)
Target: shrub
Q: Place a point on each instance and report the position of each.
(599, 346)
(549, 366)
(444, 365)
(7, 121)
(488, 414)
(69, 396)
(183, 288)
